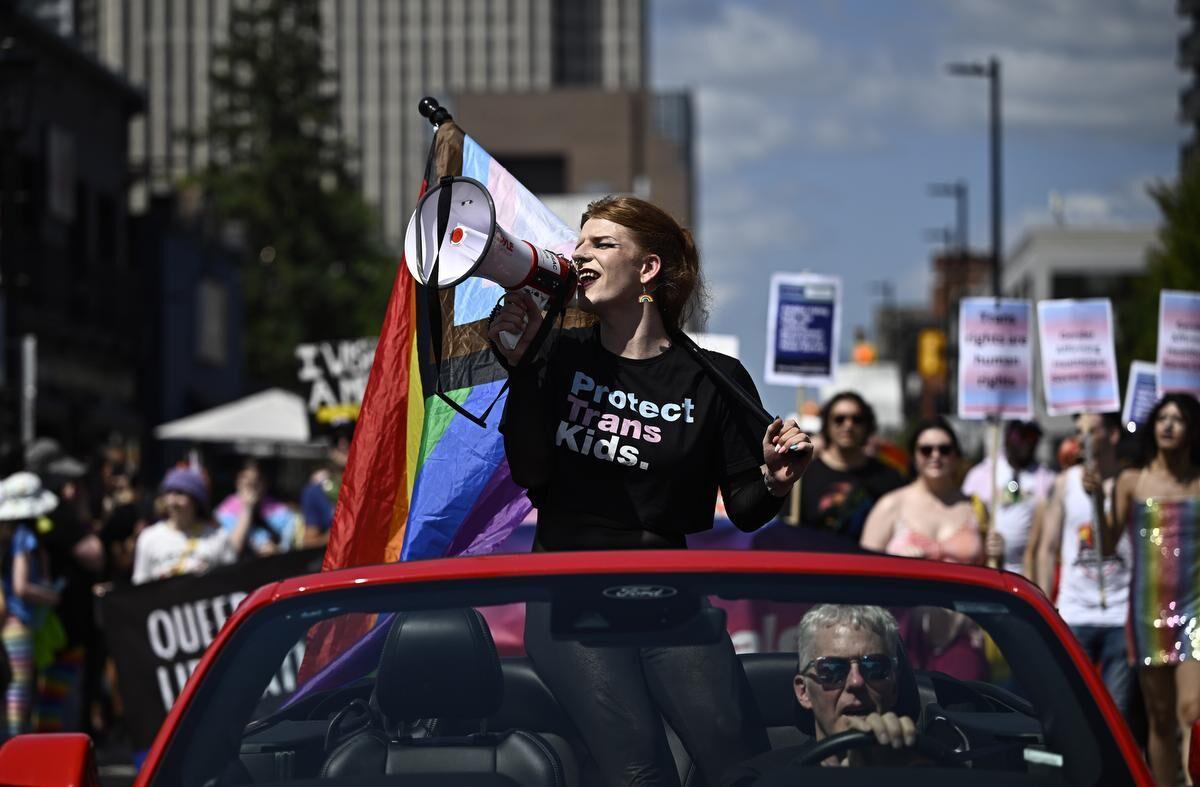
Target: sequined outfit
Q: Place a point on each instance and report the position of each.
(1164, 598)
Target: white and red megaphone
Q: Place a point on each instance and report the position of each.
(473, 244)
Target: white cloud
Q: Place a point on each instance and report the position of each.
(766, 81)
(1072, 24)
(746, 43)
(1126, 204)
(738, 127)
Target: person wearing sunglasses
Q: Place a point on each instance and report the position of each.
(932, 518)
(843, 482)
(847, 677)
(1024, 491)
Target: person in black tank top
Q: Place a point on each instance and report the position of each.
(622, 440)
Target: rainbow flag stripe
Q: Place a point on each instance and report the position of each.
(1165, 597)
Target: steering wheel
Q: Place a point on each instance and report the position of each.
(836, 745)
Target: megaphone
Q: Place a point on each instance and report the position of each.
(473, 244)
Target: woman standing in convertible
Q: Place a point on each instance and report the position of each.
(622, 440)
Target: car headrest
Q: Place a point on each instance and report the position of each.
(908, 696)
(439, 664)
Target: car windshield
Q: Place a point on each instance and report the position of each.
(983, 675)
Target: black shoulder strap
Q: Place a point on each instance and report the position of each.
(723, 380)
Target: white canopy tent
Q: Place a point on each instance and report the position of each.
(274, 417)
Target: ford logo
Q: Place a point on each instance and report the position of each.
(640, 592)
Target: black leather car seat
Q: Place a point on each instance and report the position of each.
(439, 670)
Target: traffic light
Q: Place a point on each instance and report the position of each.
(931, 354)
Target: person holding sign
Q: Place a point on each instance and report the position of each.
(622, 439)
(1160, 506)
(1024, 486)
(1095, 609)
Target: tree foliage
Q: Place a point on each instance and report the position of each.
(315, 268)
(1173, 263)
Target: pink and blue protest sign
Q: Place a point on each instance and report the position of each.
(1079, 365)
(1179, 342)
(995, 368)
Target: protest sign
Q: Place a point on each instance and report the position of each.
(1079, 366)
(158, 632)
(995, 368)
(1179, 342)
(334, 375)
(803, 330)
(1141, 392)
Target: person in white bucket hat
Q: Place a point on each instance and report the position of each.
(22, 497)
(22, 502)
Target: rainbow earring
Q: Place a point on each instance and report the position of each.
(645, 297)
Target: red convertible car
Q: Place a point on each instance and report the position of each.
(438, 690)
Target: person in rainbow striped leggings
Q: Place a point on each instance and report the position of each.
(1160, 505)
(22, 501)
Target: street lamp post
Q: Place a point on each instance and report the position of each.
(957, 190)
(991, 70)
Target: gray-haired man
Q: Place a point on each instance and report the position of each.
(848, 678)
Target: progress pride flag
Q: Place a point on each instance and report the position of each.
(1079, 366)
(995, 370)
(1179, 342)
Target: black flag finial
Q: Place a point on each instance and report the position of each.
(435, 112)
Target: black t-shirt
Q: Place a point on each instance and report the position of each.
(640, 444)
(839, 500)
(75, 603)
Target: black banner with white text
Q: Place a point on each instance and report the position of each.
(158, 632)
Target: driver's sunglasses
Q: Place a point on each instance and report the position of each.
(844, 418)
(944, 449)
(832, 671)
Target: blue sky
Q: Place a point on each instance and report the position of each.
(820, 123)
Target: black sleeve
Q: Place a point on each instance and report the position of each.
(527, 440)
(741, 430)
(747, 502)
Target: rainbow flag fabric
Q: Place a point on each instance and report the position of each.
(421, 480)
(1165, 597)
(463, 499)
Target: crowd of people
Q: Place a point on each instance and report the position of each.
(1074, 531)
(71, 531)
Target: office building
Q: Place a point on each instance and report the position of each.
(627, 141)
(385, 55)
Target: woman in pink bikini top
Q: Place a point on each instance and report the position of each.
(931, 517)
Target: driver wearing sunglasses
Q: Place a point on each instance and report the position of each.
(847, 677)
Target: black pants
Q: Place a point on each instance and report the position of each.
(618, 696)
